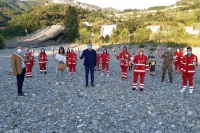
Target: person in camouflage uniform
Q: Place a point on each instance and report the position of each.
(167, 63)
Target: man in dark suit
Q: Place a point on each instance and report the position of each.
(89, 56)
(19, 68)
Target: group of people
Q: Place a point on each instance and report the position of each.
(140, 64)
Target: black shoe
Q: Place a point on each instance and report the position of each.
(92, 85)
(45, 72)
(170, 80)
(86, 85)
(21, 94)
(94, 69)
(134, 89)
(41, 72)
(162, 79)
(141, 89)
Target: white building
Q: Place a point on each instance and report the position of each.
(107, 29)
(191, 30)
(59, 1)
(154, 28)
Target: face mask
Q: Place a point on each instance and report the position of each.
(177, 50)
(104, 51)
(42, 50)
(168, 49)
(19, 50)
(89, 47)
(189, 53)
(141, 53)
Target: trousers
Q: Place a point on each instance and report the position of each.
(105, 66)
(124, 73)
(20, 80)
(135, 78)
(89, 68)
(188, 77)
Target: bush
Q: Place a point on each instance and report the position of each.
(2, 42)
(141, 45)
(152, 48)
(154, 45)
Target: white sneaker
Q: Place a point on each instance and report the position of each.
(62, 83)
(107, 75)
(182, 90)
(56, 83)
(190, 91)
(102, 74)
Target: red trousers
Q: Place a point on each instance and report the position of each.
(124, 74)
(105, 66)
(43, 67)
(186, 77)
(72, 68)
(29, 70)
(177, 66)
(135, 78)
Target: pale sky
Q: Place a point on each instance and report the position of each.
(127, 4)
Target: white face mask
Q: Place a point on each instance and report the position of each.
(168, 49)
(19, 50)
(141, 53)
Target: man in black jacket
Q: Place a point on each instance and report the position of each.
(89, 56)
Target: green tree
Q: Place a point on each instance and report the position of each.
(71, 23)
(107, 38)
(2, 42)
(141, 34)
(84, 35)
(124, 36)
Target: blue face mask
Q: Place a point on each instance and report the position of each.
(189, 53)
(89, 47)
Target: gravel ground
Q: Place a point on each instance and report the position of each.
(109, 107)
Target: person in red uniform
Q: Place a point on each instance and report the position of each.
(124, 58)
(178, 55)
(29, 56)
(140, 63)
(105, 59)
(72, 61)
(43, 61)
(98, 59)
(67, 58)
(189, 63)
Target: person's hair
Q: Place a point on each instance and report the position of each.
(68, 50)
(105, 50)
(42, 49)
(89, 43)
(169, 46)
(63, 50)
(19, 45)
(189, 48)
(125, 47)
(141, 49)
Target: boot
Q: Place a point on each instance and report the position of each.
(170, 80)
(162, 79)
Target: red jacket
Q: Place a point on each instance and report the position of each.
(72, 58)
(179, 56)
(105, 58)
(140, 64)
(124, 58)
(189, 63)
(42, 58)
(98, 58)
(29, 55)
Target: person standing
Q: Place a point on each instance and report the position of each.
(67, 58)
(189, 64)
(124, 58)
(89, 56)
(178, 55)
(73, 60)
(150, 57)
(140, 68)
(98, 59)
(130, 63)
(105, 59)
(167, 63)
(61, 66)
(29, 65)
(152, 66)
(43, 61)
(19, 68)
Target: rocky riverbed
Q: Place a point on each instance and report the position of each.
(109, 107)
